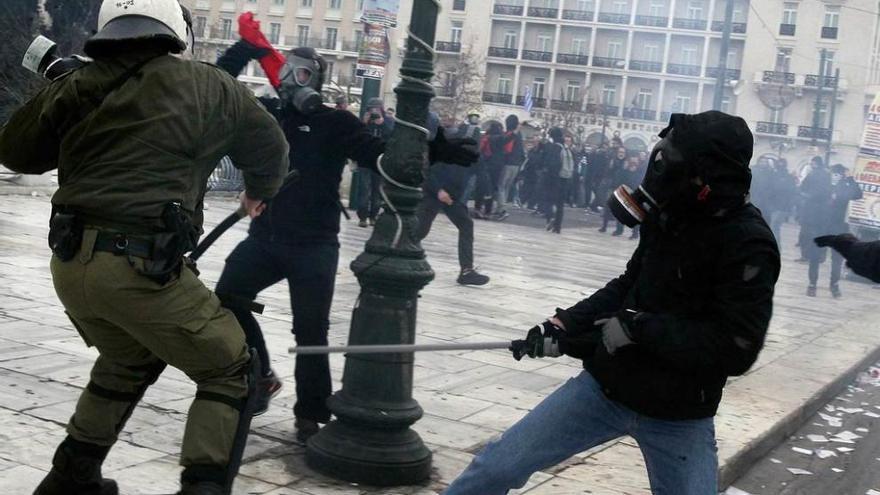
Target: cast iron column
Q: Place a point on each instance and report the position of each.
(370, 441)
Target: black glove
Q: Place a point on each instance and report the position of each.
(64, 66)
(840, 243)
(541, 341)
(460, 151)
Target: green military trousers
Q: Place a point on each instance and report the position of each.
(138, 326)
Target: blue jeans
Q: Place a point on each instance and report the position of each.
(681, 456)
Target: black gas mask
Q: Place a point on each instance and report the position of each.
(301, 81)
(700, 167)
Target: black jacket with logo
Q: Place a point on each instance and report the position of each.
(703, 291)
(308, 209)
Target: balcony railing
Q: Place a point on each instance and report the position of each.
(822, 133)
(777, 77)
(537, 55)
(652, 20)
(829, 33)
(639, 114)
(772, 128)
(448, 46)
(498, 51)
(545, 12)
(351, 46)
(613, 18)
(813, 80)
(697, 24)
(565, 105)
(536, 102)
(732, 74)
(572, 58)
(646, 66)
(735, 27)
(578, 15)
(683, 69)
(505, 9)
(497, 97)
(613, 63)
(787, 29)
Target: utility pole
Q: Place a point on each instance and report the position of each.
(817, 106)
(371, 441)
(831, 115)
(721, 80)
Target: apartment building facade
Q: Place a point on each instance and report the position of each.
(333, 27)
(789, 86)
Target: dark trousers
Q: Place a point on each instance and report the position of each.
(458, 215)
(554, 207)
(310, 271)
(836, 266)
(370, 198)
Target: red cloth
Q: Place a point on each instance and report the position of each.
(249, 30)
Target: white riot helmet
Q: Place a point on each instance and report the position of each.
(130, 20)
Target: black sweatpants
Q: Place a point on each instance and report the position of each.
(310, 270)
(458, 215)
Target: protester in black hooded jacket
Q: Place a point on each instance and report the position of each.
(658, 342)
(861, 257)
(296, 237)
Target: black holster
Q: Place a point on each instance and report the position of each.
(65, 234)
(169, 247)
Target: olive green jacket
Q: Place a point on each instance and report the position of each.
(154, 139)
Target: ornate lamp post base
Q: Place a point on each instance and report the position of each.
(373, 457)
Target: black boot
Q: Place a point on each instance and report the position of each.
(76, 470)
(202, 488)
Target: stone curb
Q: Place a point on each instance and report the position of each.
(742, 461)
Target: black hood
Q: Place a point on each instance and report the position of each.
(719, 148)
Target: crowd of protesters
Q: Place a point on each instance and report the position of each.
(551, 171)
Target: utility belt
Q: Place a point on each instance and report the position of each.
(158, 256)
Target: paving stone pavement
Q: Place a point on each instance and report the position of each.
(468, 397)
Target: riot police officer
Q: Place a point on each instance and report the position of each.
(135, 134)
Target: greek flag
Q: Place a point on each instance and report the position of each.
(527, 99)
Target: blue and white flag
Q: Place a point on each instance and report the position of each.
(527, 99)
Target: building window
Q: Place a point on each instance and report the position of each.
(538, 87)
(777, 115)
(652, 52)
(732, 58)
(828, 67)
(614, 49)
(584, 5)
(279, 3)
(335, 4)
(682, 103)
(455, 34)
(832, 16)
(458, 5)
(274, 33)
(226, 29)
(510, 40)
(657, 8)
(358, 38)
(620, 7)
(689, 55)
(331, 67)
(609, 94)
(573, 90)
(789, 13)
(360, 5)
(305, 3)
(302, 35)
(545, 43)
(199, 28)
(504, 84)
(695, 9)
(783, 59)
(579, 46)
(330, 36)
(643, 99)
